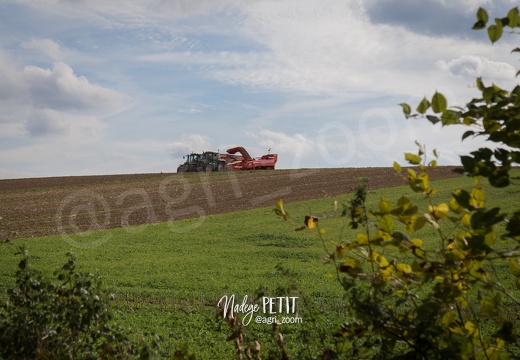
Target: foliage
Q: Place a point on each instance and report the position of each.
(66, 319)
(494, 115)
(409, 299)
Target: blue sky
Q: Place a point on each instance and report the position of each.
(110, 87)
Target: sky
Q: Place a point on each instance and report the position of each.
(90, 87)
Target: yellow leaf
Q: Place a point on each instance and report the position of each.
(311, 222)
(386, 273)
(353, 263)
(514, 267)
(423, 181)
(477, 197)
(412, 158)
(362, 239)
(417, 242)
(452, 245)
(420, 253)
(374, 257)
(456, 330)
(455, 206)
(280, 210)
(439, 211)
(466, 220)
(381, 260)
(279, 204)
(383, 235)
(412, 175)
(385, 206)
(404, 268)
(471, 328)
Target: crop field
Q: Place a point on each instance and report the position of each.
(170, 247)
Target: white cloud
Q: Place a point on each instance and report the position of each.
(118, 13)
(12, 82)
(293, 150)
(77, 128)
(189, 143)
(48, 48)
(473, 66)
(60, 88)
(328, 49)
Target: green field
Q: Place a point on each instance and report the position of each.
(168, 277)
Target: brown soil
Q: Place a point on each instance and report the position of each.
(58, 205)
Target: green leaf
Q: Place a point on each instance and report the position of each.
(468, 162)
(479, 25)
(433, 119)
(418, 224)
(513, 17)
(480, 84)
(499, 179)
(387, 223)
(482, 15)
(516, 50)
(514, 267)
(495, 32)
(407, 110)
(502, 21)
(412, 158)
(488, 308)
(468, 133)
(397, 167)
(507, 333)
(462, 197)
(385, 206)
(449, 117)
(424, 105)
(439, 103)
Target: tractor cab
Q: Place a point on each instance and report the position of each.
(191, 163)
(210, 161)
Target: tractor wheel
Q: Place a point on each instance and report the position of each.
(181, 169)
(209, 168)
(221, 167)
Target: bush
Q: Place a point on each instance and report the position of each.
(66, 319)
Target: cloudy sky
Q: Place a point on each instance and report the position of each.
(129, 86)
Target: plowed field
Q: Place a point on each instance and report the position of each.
(43, 206)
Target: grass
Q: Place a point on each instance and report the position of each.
(168, 277)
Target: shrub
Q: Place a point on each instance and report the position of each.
(68, 318)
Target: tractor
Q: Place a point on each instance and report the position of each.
(191, 164)
(211, 161)
(207, 161)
